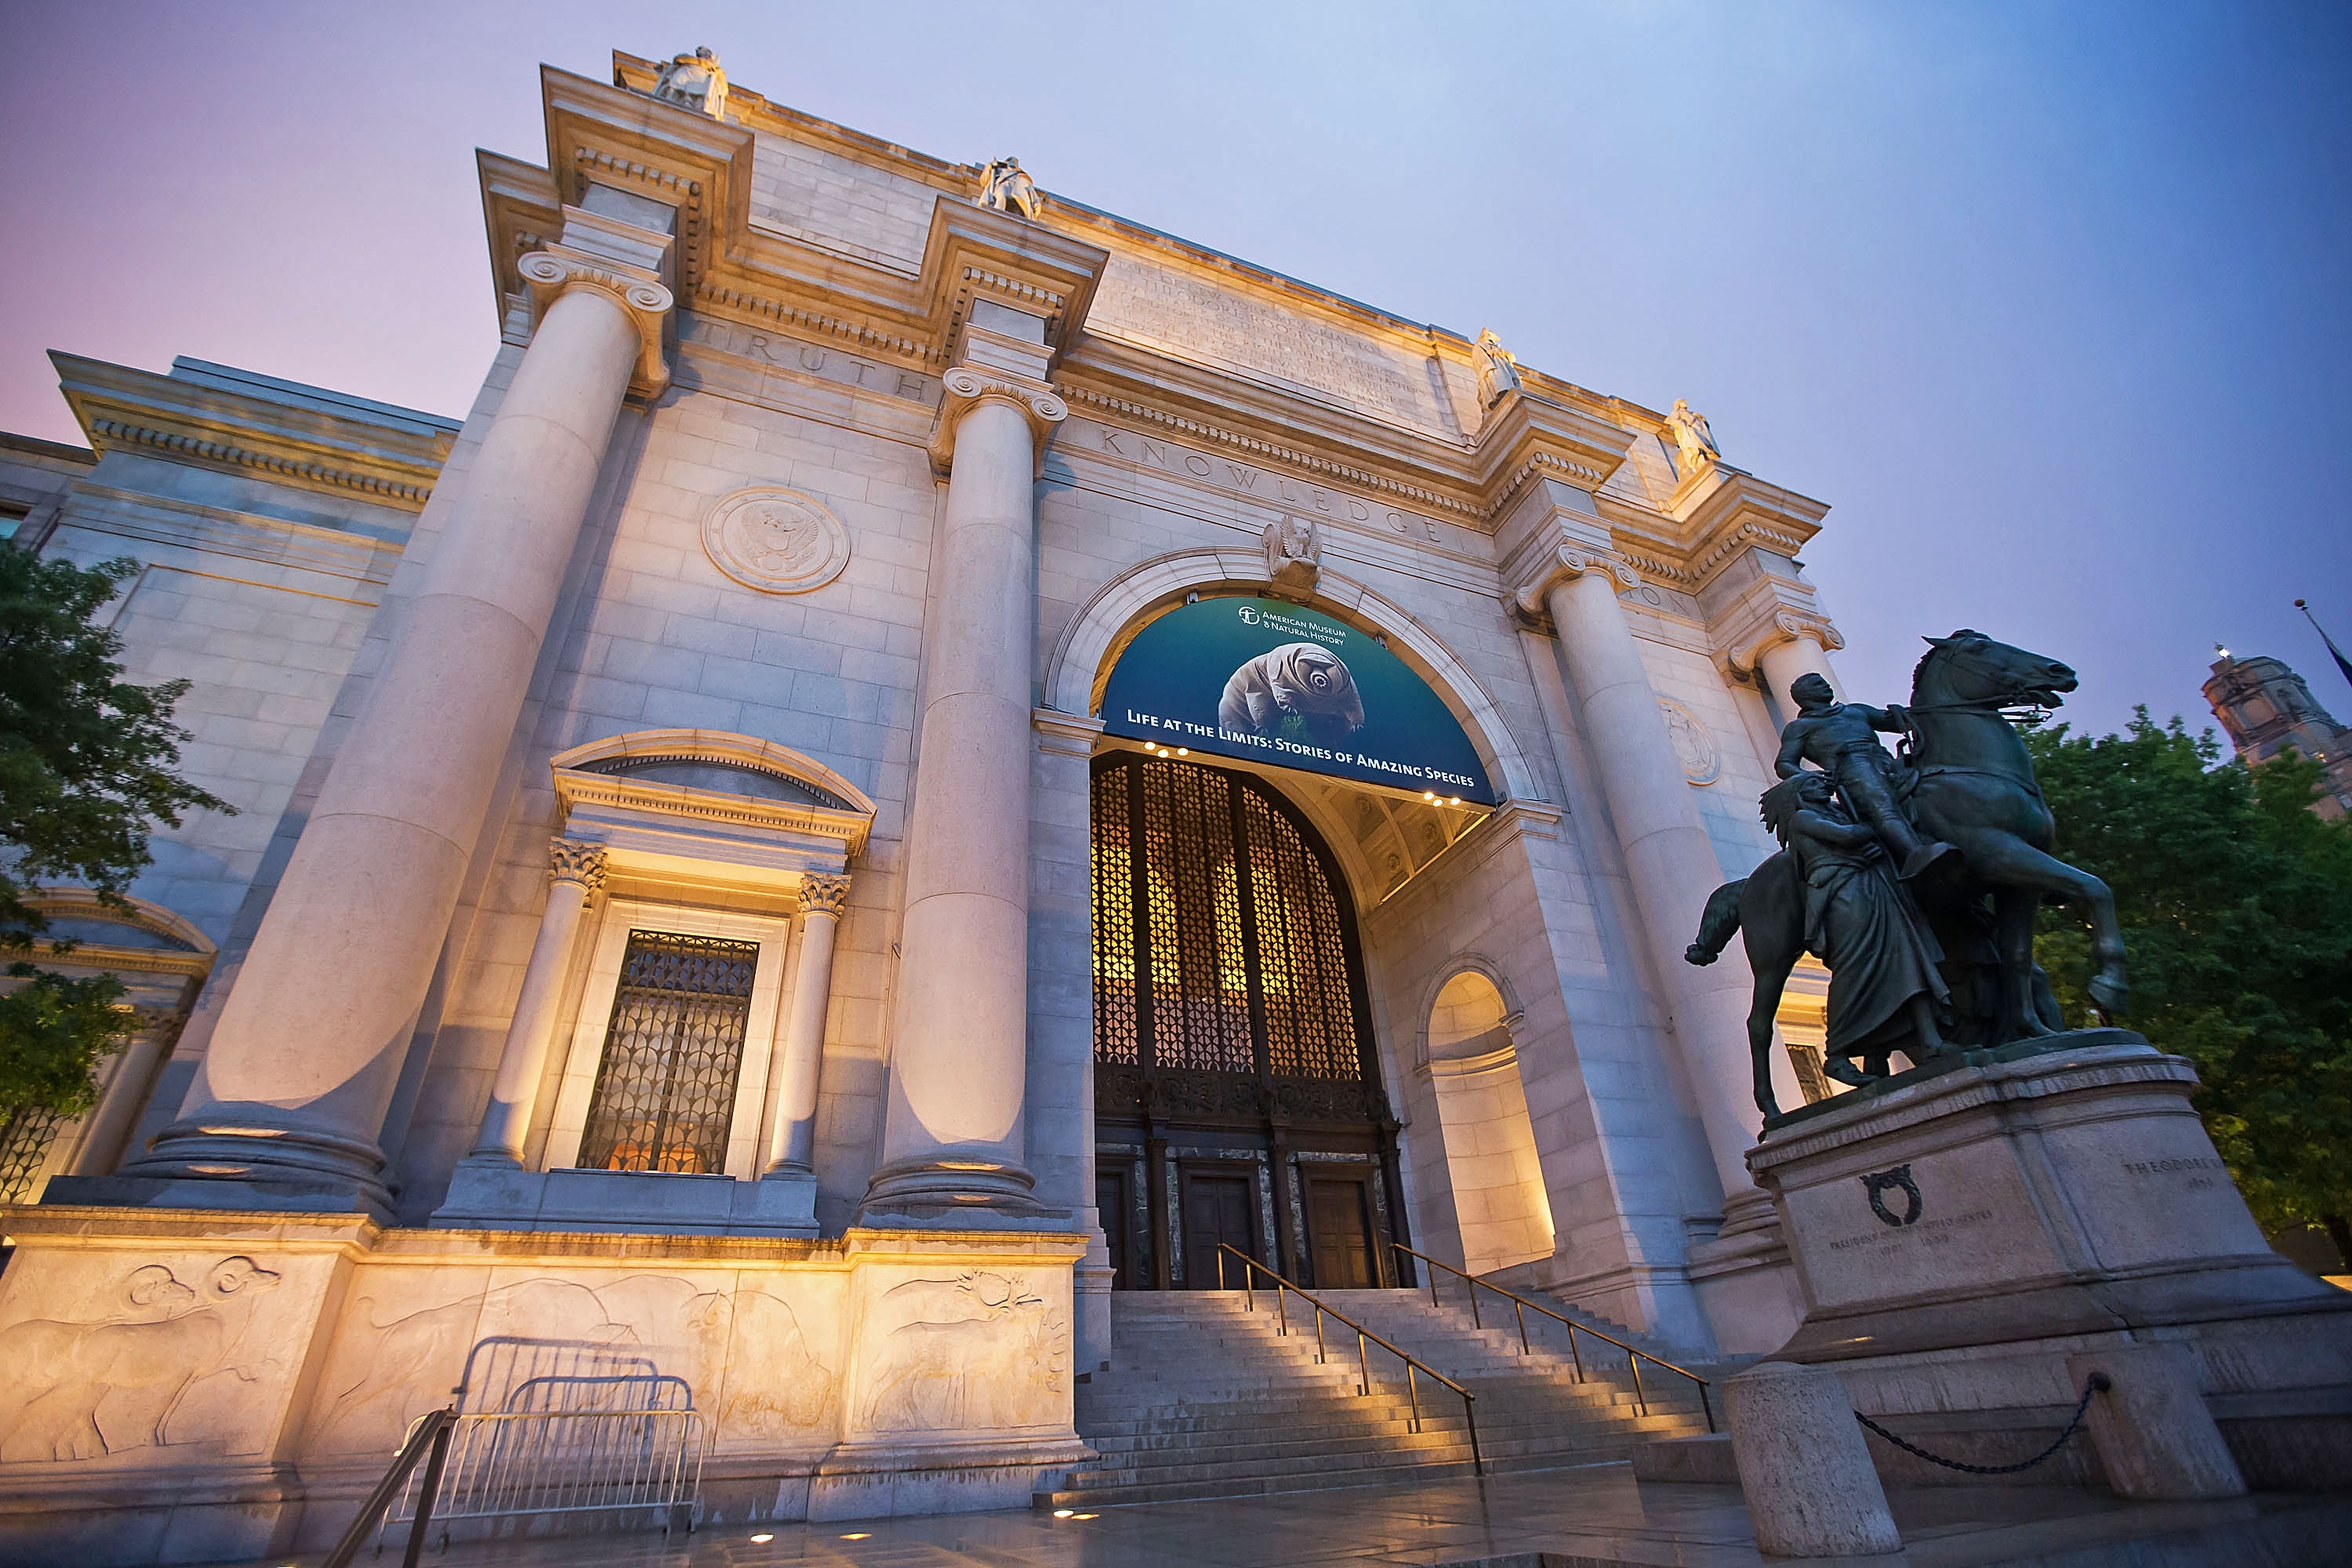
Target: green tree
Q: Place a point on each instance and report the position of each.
(86, 763)
(2236, 906)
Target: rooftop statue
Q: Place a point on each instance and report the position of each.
(1693, 436)
(697, 81)
(1916, 880)
(1006, 186)
(1498, 372)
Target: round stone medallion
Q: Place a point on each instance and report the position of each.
(1694, 747)
(775, 540)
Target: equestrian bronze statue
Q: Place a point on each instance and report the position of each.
(1914, 880)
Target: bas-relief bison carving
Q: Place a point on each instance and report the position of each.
(168, 1336)
(979, 1353)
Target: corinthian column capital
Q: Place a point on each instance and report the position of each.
(967, 388)
(575, 861)
(823, 894)
(557, 271)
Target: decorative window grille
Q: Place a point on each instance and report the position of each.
(665, 1085)
(23, 1149)
(1220, 945)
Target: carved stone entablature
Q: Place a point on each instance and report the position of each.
(552, 273)
(822, 894)
(966, 389)
(576, 860)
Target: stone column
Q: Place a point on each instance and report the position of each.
(291, 1094)
(1668, 859)
(791, 1146)
(1799, 650)
(579, 871)
(953, 1139)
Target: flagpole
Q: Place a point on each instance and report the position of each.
(2342, 663)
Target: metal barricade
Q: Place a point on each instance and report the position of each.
(584, 1456)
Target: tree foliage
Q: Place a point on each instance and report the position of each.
(86, 769)
(2236, 906)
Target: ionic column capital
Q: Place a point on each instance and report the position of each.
(1565, 564)
(551, 273)
(966, 389)
(823, 893)
(1744, 657)
(576, 860)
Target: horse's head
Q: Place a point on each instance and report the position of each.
(1968, 669)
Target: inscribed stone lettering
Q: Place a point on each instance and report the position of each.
(1159, 308)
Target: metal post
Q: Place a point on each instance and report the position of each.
(1412, 1392)
(1522, 1309)
(1707, 1405)
(1475, 1320)
(1282, 1305)
(1470, 1418)
(1320, 1355)
(424, 1494)
(1634, 1365)
(1433, 1286)
(1364, 1363)
(1574, 1354)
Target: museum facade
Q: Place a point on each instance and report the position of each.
(924, 755)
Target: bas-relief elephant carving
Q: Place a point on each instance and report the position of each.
(976, 1352)
(167, 1336)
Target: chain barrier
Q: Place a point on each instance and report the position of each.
(2097, 1383)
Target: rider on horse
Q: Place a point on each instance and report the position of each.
(1842, 740)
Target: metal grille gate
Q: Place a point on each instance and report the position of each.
(665, 1085)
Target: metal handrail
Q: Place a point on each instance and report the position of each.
(1634, 1356)
(1412, 1363)
(430, 1430)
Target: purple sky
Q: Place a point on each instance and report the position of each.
(2048, 301)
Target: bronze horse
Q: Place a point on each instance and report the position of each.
(1968, 782)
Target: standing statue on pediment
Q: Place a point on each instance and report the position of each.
(1692, 435)
(1498, 372)
(1007, 188)
(1294, 554)
(693, 81)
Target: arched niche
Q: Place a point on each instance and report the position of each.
(1090, 645)
(1502, 1211)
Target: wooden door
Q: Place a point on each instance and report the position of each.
(1340, 1231)
(1110, 1202)
(1217, 1208)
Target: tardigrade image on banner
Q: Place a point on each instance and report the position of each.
(1301, 682)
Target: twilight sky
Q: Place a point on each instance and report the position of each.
(2049, 300)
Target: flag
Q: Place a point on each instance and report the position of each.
(2341, 662)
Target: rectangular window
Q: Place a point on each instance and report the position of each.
(665, 1082)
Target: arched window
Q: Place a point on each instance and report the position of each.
(1221, 944)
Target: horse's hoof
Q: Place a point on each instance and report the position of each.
(2112, 996)
(1695, 954)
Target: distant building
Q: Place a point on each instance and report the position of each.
(2267, 708)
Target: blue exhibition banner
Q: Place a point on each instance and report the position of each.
(1276, 682)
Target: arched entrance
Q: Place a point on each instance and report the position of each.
(1237, 1093)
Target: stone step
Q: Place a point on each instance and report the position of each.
(1264, 1486)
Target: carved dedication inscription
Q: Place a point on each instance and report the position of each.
(1161, 308)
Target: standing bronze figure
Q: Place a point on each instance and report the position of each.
(1966, 780)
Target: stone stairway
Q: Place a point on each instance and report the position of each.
(1205, 1398)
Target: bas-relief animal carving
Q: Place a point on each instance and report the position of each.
(487, 1347)
(1299, 679)
(976, 1352)
(774, 1386)
(168, 1336)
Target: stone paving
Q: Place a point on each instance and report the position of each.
(1580, 1518)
